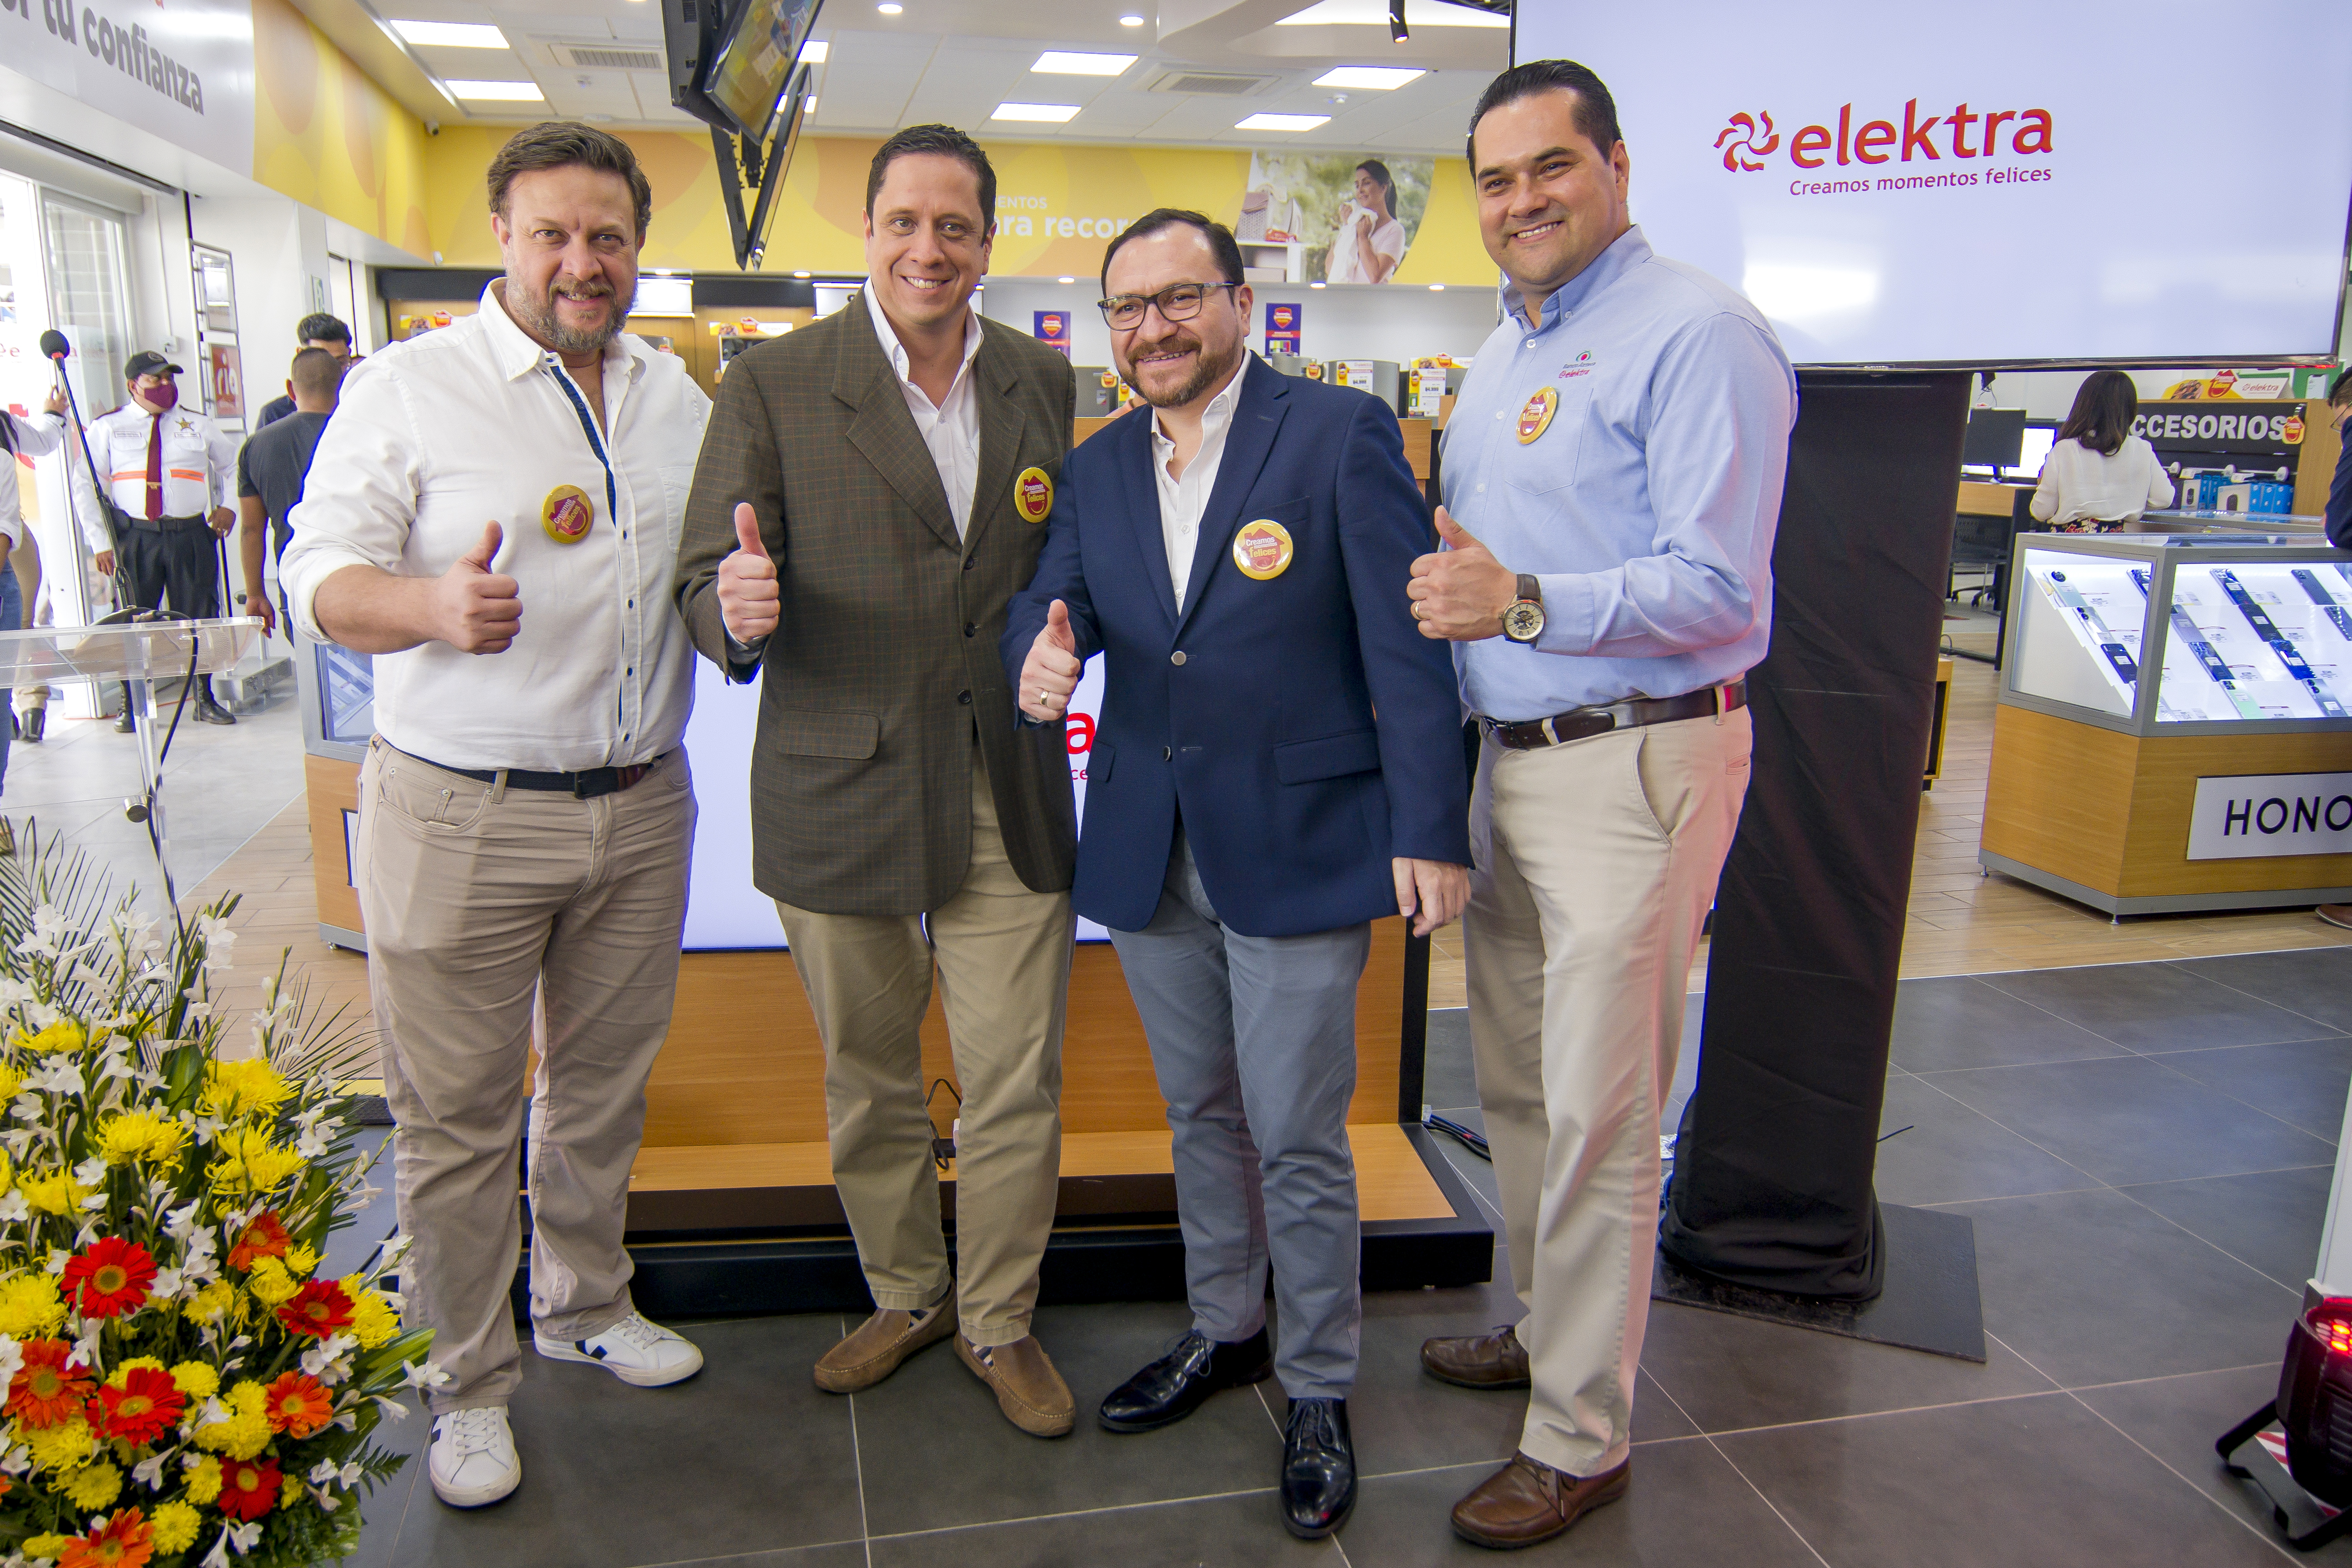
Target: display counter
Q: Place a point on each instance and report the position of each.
(2174, 726)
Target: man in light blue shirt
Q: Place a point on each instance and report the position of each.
(1613, 473)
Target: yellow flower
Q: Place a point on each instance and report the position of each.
(65, 1035)
(68, 1446)
(246, 1431)
(53, 1192)
(46, 1548)
(122, 1370)
(374, 1321)
(301, 1257)
(207, 1305)
(249, 1162)
(94, 1488)
(271, 1282)
(289, 1490)
(175, 1523)
(7, 1170)
(195, 1380)
(204, 1479)
(141, 1135)
(243, 1089)
(12, 1078)
(29, 1306)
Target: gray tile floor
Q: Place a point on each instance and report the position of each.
(2145, 1150)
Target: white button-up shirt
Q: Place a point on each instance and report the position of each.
(34, 435)
(198, 463)
(952, 430)
(1183, 498)
(475, 424)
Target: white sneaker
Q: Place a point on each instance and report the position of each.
(473, 1462)
(642, 1355)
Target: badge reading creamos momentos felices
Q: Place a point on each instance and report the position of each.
(1536, 417)
(1032, 495)
(1262, 549)
(567, 514)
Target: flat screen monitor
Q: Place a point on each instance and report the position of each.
(2033, 449)
(759, 45)
(1995, 438)
(1889, 190)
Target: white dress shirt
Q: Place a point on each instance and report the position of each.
(1182, 498)
(35, 434)
(2081, 484)
(476, 423)
(951, 429)
(198, 462)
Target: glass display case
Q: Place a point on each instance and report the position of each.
(2182, 635)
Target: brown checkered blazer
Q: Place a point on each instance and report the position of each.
(883, 658)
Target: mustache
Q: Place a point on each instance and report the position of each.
(578, 289)
(1175, 342)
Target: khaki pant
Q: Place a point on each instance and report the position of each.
(480, 902)
(1596, 864)
(1003, 957)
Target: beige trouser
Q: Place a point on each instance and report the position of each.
(1596, 864)
(479, 901)
(1004, 958)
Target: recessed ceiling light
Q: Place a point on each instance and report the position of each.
(1045, 113)
(1065, 280)
(1064, 62)
(1438, 287)
(813, 53)
(451, 34)
(1281, 122)
(889, 7)
(800, 274)
(1314, 285)
(1130, 21)
(498, 91)
(1376, 79)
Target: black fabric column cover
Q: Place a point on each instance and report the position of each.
(1774, 1165)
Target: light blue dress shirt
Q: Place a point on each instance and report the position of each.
(1647, 505)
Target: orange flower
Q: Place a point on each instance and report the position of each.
(44, 1390)
(320, 1308)
(148, 1404)
(263, 1238)
(248, 1488)
(122, 1541)
(111, 1279)
(299, 1405)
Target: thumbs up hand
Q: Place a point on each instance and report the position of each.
(748, 593)
(1050, 673)
(1459, 593)
(476, 609)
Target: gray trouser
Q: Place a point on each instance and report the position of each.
(1253, 1040)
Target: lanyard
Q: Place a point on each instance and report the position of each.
(595, 442)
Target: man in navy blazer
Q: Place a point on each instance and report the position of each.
(1278, 762)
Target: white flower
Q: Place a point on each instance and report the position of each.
(330, 1360)
(393, 1408)
(58, 1258)
(167, 1283)
(12, 1358)
(325, 1474)
(84, 1351)
(149, 1472)
(57, 1075)
(13, 1209)
(17, 1460)
(91, 1171)
(425, 1374)
(241, 1536)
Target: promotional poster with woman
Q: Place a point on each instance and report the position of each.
(1354, 216)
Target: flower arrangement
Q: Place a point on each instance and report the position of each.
(183, 1387)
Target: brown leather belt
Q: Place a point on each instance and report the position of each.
(587, 785)
(1580, 723)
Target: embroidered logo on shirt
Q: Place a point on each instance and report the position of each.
(1262, 549)
(1536, 417)
(1032, 495)
(1582, 365)
(567, 514)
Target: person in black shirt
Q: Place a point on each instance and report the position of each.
(315, 332)
(2339, 488)
(272, 466)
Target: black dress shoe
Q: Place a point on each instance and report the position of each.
(30, 723)
(213, 713)
(1318, 1468)
(1177, 1384)
(123, 724)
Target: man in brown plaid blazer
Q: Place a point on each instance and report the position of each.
(872, 491)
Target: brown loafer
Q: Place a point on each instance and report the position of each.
(876, 1347)
(1028, 1390)
(2335, 914)
(1526, 1502)
(1496, 1360)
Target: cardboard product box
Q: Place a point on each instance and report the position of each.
(2270, 498)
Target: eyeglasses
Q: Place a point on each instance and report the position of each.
(1177, 302)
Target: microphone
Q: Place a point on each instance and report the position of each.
(54, 344)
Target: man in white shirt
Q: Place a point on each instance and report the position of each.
(31, 436)
(490, 514)
(171, 472)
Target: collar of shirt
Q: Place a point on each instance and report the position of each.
(896, 352)
(1621, 256)
(1183, 498)
(518, 354)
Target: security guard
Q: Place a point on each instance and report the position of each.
(170, 471)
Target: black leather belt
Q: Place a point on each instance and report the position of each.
(165, 524)
(586, 785)
(1580, 724)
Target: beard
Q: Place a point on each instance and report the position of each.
(537, 315)
(1208, 369)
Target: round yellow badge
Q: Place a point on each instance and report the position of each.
(567, 514)
(1262, 549)
(1536, 417)
(1032, 495)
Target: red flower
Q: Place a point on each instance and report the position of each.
(109, 1279)
(44, 1390)
(319, 1309)
(122, 1541)
(148, 1404)
(299, 1405)
(248, 1488)
(263, 1238)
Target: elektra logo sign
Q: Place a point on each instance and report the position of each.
(2251, 816)
(1965, 146)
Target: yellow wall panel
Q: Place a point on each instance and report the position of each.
(328, 136)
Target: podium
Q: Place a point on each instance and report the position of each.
(138, 653)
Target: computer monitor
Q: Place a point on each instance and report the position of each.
(2040, 436)
(1995, 439)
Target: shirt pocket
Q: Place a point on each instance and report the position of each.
(1549, 461)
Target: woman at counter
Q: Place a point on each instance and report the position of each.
(2099, 475)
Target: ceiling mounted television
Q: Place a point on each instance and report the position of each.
(1888, 190)
(730, 61)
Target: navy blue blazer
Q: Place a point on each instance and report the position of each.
(1301, 723)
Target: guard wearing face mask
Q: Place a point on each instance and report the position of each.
(170, 472)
